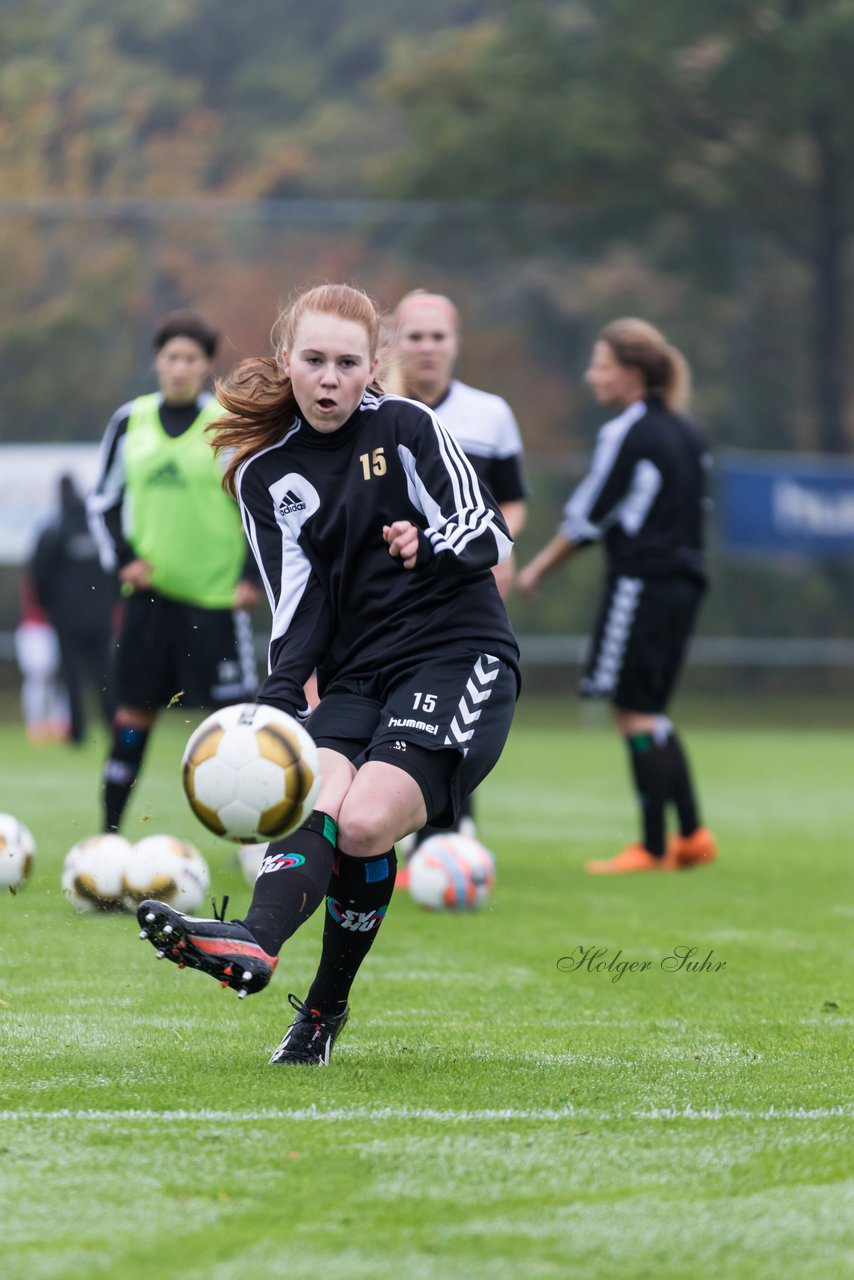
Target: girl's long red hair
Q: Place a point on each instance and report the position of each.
(258, 398)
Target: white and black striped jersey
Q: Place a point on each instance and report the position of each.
(314, 506)
(645, 493)
(486, 428)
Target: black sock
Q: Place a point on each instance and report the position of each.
(681, 785)
(651, 771)
(121, 771)
(359, 892)
(292, 881)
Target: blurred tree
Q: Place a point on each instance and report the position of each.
(571, 159)
(109, 111)
(731, 120)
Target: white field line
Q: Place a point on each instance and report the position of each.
(449, 1115)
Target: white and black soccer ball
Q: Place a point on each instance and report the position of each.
(251, 773)
(17, 850)
(168, 869)
(451, 872)
(93, 873)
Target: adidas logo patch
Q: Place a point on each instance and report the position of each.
(290, 503)
(168, 474)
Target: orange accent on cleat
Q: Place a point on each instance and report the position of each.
(227, 970)
(230, 946)
(691, 851)
(634, 858)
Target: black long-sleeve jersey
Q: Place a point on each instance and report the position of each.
(314, 506)
(645, 494)
(75, 592)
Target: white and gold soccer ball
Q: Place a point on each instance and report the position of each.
(93, 873)
(17, 850)
(168, 869)
(251, 773)
(451, 872)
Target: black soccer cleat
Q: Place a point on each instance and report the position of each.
(223, 948)
(309, 1039)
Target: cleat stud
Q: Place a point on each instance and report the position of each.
(223, 984)
(160, 955)
(242, 993)
(167, 928)
(150, 918)
(181, 964)
(247, 975)
(181, 945)
(143, 933)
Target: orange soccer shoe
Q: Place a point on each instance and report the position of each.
(630, 860)
(691, 851)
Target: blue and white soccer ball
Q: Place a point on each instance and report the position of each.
(451, 872)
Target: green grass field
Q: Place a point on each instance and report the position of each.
(487, 1112)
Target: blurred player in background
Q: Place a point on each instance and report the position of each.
(376, 545)
(162, 520)
(44, 701)
(644, 497)
(78, 598)
(425, 348)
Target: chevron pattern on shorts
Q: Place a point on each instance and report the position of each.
(478, 689)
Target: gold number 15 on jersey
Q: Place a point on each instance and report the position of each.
(373, 463)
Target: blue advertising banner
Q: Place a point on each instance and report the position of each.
(786, 504)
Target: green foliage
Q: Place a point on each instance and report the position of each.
(705, 125)
(485, 1112)
(696, 106)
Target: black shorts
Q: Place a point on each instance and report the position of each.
(444, 723)
(167, 650)
(639, 641)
